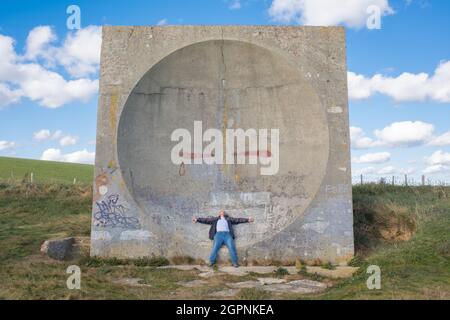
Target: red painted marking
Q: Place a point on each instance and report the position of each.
(258, 153)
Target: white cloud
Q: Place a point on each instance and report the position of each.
(406, 87)
(440, 141)
(438, 168)
(407, 171)
(235, 5)
(379, 157)
(407, 133)
(79, 55)
(162, 22)
(359, 139)
(51, 90)
(58, 134)
(364, 171)
(351, 13)
(38, 41)
(82, 156)
(8, 96)
(359, 87)
(5, 145)
(399, 134)
(64, 139)
(42, 135)
(439, 158)
(68, 141)
(394, 170)
(387, 170)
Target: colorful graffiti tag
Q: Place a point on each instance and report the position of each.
(112, 214)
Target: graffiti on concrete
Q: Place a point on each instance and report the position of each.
(112, 214)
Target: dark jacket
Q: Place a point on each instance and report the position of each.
(213, 222)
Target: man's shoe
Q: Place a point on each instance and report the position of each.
(235, 265)
(211, 265)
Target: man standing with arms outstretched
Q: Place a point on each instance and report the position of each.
(221, 232)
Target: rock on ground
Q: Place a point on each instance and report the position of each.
(245, 284)
(303, 286)
(58, 249)
(193, 283)
(225, 293)
(337, 273)
(265, 281)
(132, 282)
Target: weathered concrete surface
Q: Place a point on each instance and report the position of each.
(225, 293)
(339, 272)
(245, 284)
(302, 286)
(193, 283)
(158, 79)
(266, 281)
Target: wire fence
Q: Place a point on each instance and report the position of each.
(31, 177)
(396, 180)
(403, 180)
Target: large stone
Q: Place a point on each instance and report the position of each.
(298, 286)
(192, 283)
(206, 272)
(225, 293)
(303, 286)
(245, 284)
(58, 249)
(156, 80)
(266, 281)
(209, 274)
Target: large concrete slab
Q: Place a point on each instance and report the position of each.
(155, 80)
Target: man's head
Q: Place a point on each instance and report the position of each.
(222, 213)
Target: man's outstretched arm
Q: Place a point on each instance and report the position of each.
(241, 220)
(207, 220)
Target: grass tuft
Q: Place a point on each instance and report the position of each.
(253, 294)
(281, 272)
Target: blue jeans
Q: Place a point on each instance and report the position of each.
(223, 238)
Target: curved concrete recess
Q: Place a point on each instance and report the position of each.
(224, 84)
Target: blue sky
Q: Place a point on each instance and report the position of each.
(399, 75)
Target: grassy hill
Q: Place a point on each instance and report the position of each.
(403, 230)
(16, 169)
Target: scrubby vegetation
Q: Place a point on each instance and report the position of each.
(405, 231)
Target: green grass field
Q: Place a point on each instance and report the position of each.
(404, 230)
(16, 169)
